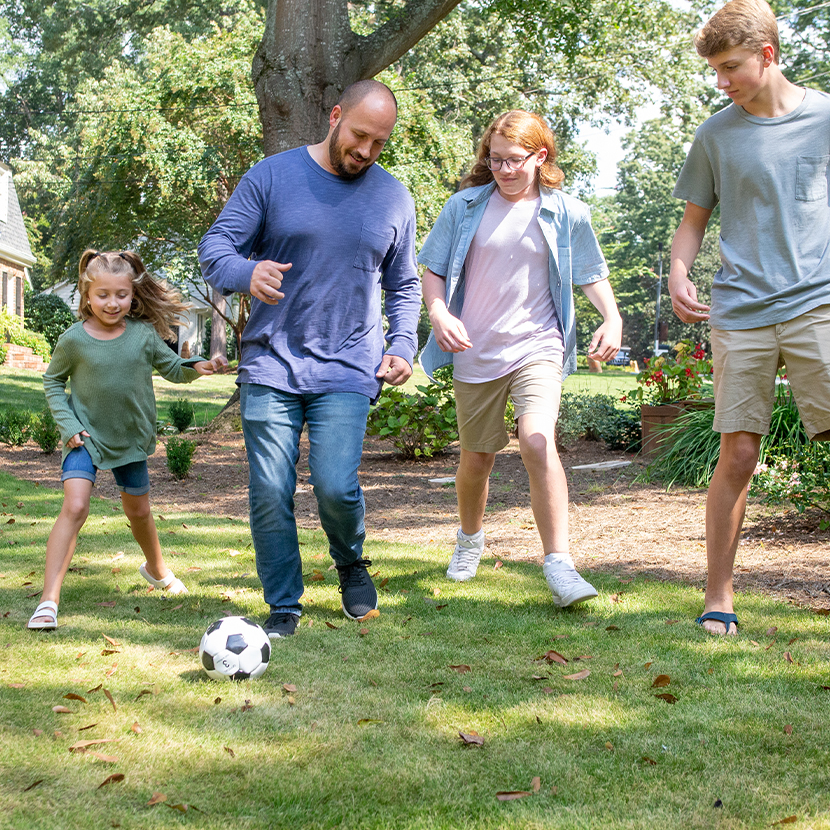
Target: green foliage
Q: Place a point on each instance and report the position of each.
(623, 430)
(49, 315)
(420, 424)
(45, 431)
(3, 351)
(584, 416)
(182, 412)
(180, 455)
(13, 331)
(15, 426)
(667, 379)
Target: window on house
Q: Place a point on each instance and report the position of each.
(5, 299)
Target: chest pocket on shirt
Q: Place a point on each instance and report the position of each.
(372, 249)
(811, 178)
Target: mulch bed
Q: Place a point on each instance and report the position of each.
(618, 526)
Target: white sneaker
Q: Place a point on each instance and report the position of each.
(466, 556)
(566, 585)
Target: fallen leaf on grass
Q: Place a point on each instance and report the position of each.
(136, 727)
(110, 604)
(668, 697)
(80, 746)
(363, 632)
(73, 696)
(32, 786)
(112, 671)
(371, 615)
(536, 783)
(318, 576)
(471, 738)
(183, 808)
(609, 746)
(384, 582)
(547, 690)
(107, 651)
(112, 779)
(470, 688)
(646, 760)
(461, 668)
(289, 687)
(554, 657)
(230, 751)
(612, 628)
(512, 795)
(110, 699)
(498, 564)
(788, 730)
(62, 710)
(158, 798)
(143, 692)
(771, 631)
(660, 681)
(84, 728)
(647, 665)
(788, 657)
(110, 759)
(617, 673)
(332, 625)
(16, 685)
(580, 675)
(97, 688)
(672, 622)
(787, 820)
(368, 721)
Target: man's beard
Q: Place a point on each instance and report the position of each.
(337, 158)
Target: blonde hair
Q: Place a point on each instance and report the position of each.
(747, 23)
(526, 129)
(154, 301)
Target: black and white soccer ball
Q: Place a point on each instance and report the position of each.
(234, 648)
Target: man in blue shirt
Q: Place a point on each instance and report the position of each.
(314, 235)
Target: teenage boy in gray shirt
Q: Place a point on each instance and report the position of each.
(765, 159)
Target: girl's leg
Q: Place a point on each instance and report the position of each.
(548, 484)
(472, 482)
(143, 527)
(61, 544)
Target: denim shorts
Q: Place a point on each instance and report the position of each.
(132, 479)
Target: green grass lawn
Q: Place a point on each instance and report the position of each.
(23, 389)
(356, 725)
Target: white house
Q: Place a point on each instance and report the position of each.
(15, 252)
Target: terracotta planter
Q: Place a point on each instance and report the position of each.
(653, 419)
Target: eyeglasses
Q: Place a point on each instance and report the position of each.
(511, 164)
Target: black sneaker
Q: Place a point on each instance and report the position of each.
(281, 625)
(358, 590)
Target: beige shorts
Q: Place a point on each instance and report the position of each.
(745, 365)
(534, 388)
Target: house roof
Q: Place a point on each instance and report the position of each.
(14, 241)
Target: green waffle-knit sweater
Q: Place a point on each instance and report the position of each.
(111, 390)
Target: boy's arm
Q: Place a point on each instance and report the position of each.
(607, 338)
(684, 248)
(449, 330)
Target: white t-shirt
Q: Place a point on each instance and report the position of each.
(508, 309)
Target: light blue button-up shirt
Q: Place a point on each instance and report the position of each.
(574, 258)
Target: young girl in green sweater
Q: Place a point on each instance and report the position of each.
(108, 420)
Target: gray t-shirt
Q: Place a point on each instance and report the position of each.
(770, 177)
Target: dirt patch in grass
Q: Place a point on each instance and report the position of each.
(616, 525)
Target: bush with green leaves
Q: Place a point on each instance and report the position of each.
(180, 456)
(182, 412)
(623, 431)
(45, 431)
(49, 315)
(15, 426)
(585, 416)
(418, 425)
(13, 331)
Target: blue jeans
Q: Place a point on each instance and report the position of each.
(272, 422)
(132, 479)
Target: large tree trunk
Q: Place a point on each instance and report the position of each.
(309, 54)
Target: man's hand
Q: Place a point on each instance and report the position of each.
(394, 370)
(209, 367)
(76, 441)
(684, 301)
(266, 281)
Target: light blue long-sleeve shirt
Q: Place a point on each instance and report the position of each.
(574, 258)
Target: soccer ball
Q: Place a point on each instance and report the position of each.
(234, 648)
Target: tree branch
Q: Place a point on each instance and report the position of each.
(400, 33)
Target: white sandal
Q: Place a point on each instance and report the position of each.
(170, 583)
(47, 608)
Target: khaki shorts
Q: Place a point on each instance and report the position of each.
(534, 388)
(745, 364)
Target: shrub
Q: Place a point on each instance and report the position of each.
(12, 330)
(3, 351)
(182, 412)
(45, 431)
(180, 456)
(49, 315)
(667, 379)
(423, 424)
(15, 427)
(582, 415)
(623, 431)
